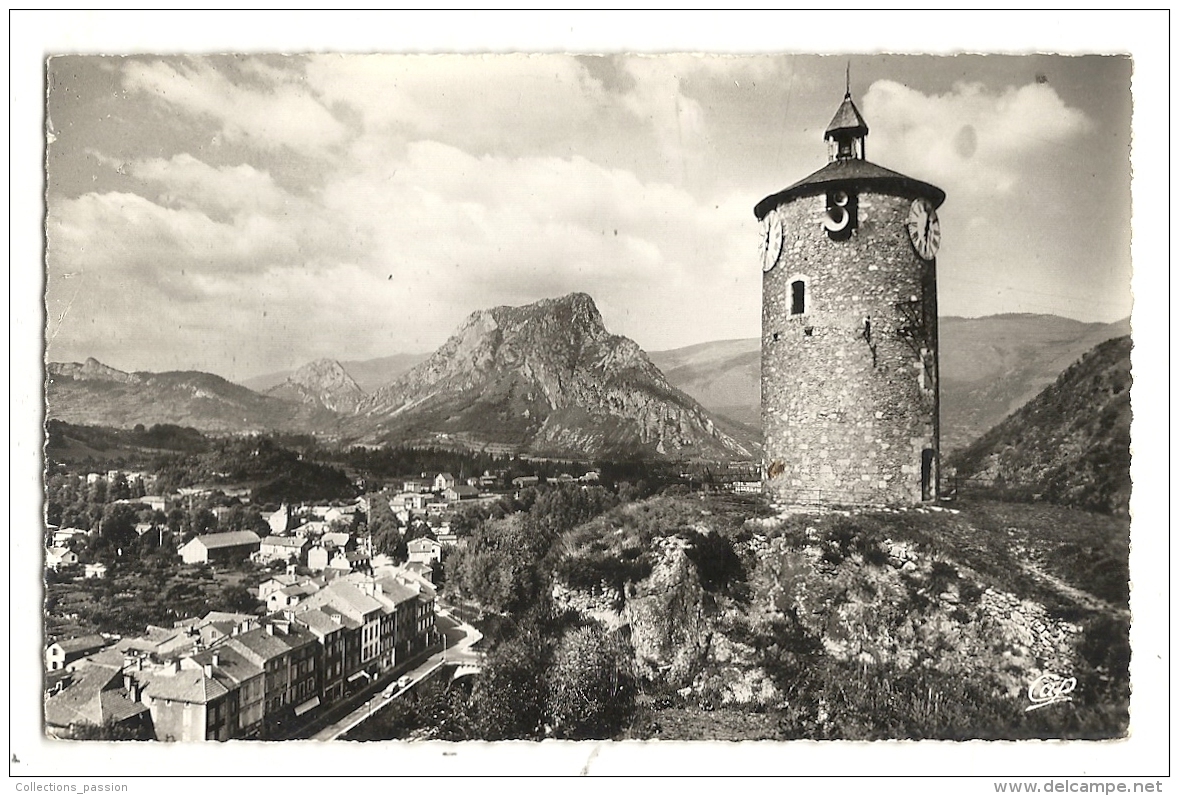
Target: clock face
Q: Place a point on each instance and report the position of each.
(771, 246)
(924, 229)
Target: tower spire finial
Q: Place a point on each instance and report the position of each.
(848, 92)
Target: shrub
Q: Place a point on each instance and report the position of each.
(847, 537)
(592, 685)
(716, 562)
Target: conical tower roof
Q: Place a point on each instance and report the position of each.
(847, 120)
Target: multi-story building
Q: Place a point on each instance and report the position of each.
(328, 626)
(245, 682)
(185, 704)
(287, 655)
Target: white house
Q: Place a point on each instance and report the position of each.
(280, 521)
(220, 547)
(57, 557)
(424, 550)
(281, 548)
(317, 559)
(66, 536)
(456, 493)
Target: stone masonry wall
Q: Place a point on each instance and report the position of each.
(846, 414)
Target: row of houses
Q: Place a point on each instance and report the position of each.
(227, 676)
(313, 519)
(330, 551)
(447, 485)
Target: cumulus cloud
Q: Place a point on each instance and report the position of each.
(489, 229)
(277, 113)
(188, 182)
(391, 252)
(466, 100)
(676, 119)
(971, 137)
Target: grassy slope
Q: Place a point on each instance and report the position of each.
(1072, 441)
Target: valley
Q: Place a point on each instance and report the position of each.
(657, 599)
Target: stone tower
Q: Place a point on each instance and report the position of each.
(849, 348)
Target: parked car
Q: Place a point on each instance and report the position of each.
(401, 683)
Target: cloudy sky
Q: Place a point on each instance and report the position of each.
(246, 214)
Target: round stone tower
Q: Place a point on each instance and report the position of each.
(849, 348)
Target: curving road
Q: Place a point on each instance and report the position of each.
(459, 638)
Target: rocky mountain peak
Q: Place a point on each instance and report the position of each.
(576, 310)
(323, 373)
(324, 382)
(547, 376)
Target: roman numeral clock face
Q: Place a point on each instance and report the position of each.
(924, 229)
(771, 245)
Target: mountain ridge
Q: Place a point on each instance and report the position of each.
(1071, 443)
(545, 377)
(91, 393)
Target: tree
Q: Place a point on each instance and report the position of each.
(592, 686)
(201, 520)
(238, 598)
(508, 698)
(385, 529)
(119, 488)
(97, 492)
(117, 531)
(502, 566)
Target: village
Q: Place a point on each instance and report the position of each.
(334, 619)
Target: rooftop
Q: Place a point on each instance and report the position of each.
(847, 119)
(231, 664)
(319, 621)
(186, 685)
(284, 541)
(82, 643)
(259, 645)
(94, 697)
(228, 539)
(851, 173)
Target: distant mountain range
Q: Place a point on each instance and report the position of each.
(548, 377)
(1071, 442)
(323, 383)
(91, 393)
(545, 379)
(992, 366)
(989, 368)
(725, 376)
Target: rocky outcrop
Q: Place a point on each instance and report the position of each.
(324, 383)
(90, 370)
(547, 378)
(879, 602)
(912, 608)
(669, 629)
